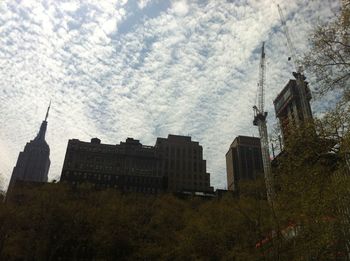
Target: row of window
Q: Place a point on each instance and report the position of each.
(185, 165)
(177, 152)
(189, 183)
(190, 166)
(91, 176)
(107, 178)
(107, 156)
(124, 188)
(109, 168)
(93, 148)
(187, 175)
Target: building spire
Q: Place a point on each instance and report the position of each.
(47, 113)
(43, 127)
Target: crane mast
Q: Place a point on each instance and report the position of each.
(299, 74)
(260, 121)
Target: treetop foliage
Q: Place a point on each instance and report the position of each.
(329, 56)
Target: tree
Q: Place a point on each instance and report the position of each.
(306, 201)
(329, 60)
(329, 56)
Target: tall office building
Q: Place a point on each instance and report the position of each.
(128, 166)
(181, 160)
(243, 161)
(33, 162)
(289, 105)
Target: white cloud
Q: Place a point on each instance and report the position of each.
(180, 7)
(70, 6)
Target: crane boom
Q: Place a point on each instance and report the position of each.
(299, 74)
(260, 121)
(262, 77)
(289, 41)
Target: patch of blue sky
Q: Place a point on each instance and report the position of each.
(137, 16)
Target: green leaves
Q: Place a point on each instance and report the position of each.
(329, 57)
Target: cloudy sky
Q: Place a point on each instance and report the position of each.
(143, 69)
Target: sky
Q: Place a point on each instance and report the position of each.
(144, 69)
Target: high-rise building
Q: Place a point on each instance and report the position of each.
(181, 160)
(243, 161)
(173, 164)
(128, 166)
(289, 105)
(33, 162)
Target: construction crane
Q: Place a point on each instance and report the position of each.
(260, 121)
(299, 74)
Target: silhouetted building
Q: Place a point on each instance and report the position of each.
(243, 161)
(33, 162)
(173, 164)
(128, 166)
(288, 106)
(181, 160)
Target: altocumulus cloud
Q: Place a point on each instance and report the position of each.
(143, 69)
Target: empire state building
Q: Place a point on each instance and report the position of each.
(33, 162)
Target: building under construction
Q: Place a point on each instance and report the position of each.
(289, 105)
